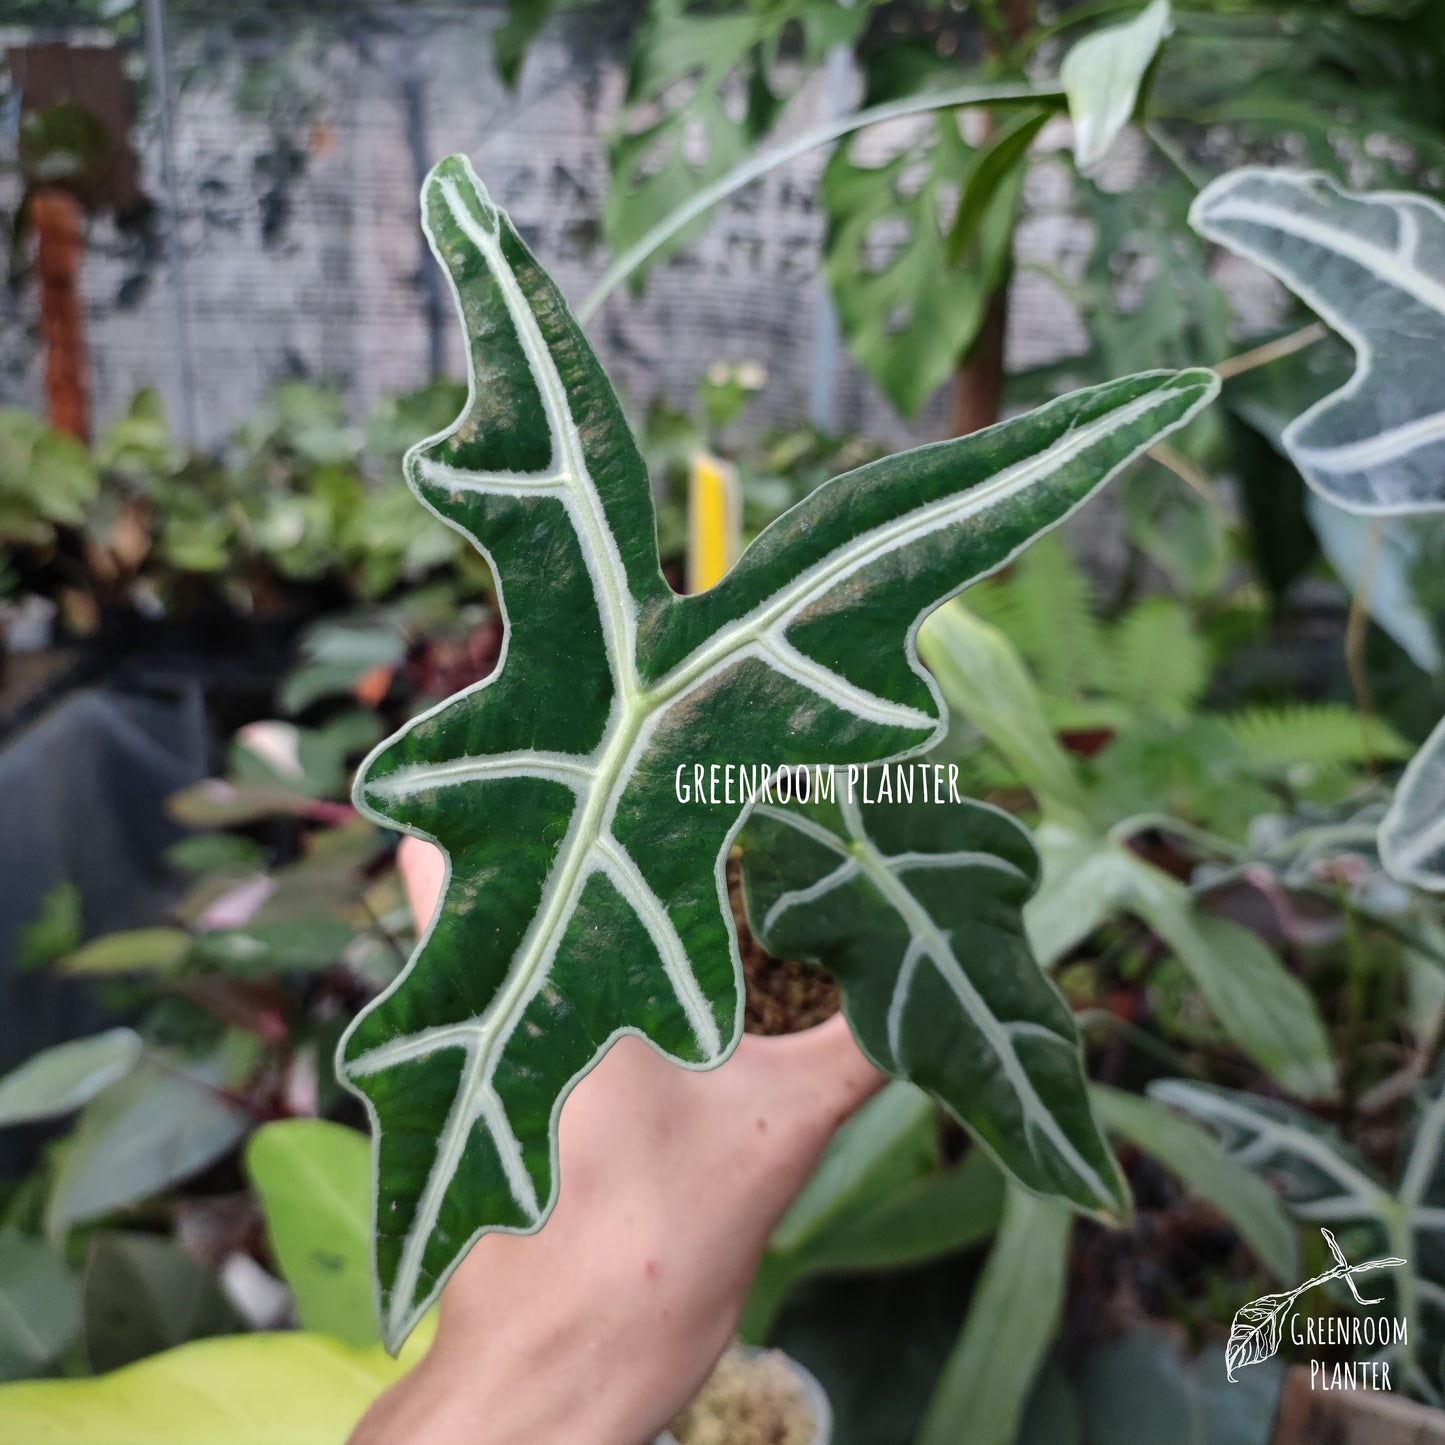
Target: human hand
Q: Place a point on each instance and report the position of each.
(598, 1329)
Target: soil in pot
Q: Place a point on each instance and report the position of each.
(783, 997)
(749, 1400)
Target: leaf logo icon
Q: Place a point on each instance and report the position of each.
(1258, 1327)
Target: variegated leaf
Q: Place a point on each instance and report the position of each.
(917, 909)
(1325, 1183)
(1102, 75)
(1412, 833)
(582, 900)
(1373, 267)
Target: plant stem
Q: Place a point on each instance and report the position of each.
(1176, 462)
(1173, 155)
(1271, 351)
(757, 166)
(978, 382)
(1356, 630)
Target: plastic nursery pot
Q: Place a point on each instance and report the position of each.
(740, 1373)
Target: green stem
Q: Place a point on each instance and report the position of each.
(750, 170)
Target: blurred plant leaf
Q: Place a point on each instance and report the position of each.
(681, 128)
(984, 680)
(65, 1077)
(1322, 1180)
(57, 928)
(314, 1180)
(1012, 1319)
(1000, 159)
(1136, 1390)
(157, 1126)
(1102, 75)
(1263, 1007)
(279, 1389)
(1379, 558)
(1373, 267)
(39, 1309)
(908, 314)
(1412, 833)
(1194, 1155)
(300, 945)
(137, 950)
(145, 1294)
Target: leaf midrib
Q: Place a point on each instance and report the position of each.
(817, 580)
(921, 925)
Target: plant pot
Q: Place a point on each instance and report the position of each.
(1310, 1417)
(731, 1382)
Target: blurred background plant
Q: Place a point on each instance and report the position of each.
(1203, 721)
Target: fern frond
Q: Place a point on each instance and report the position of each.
(1046, 608)
(1316, 735)
(1156, 660)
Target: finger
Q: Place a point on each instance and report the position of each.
(822, 1070)
(423, 869)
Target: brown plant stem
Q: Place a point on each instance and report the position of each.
(58, 223)
(978, 382)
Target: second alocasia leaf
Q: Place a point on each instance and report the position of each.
(917, 908)
(583, 901)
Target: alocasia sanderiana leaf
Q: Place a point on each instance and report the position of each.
(582, 900)
(1412, 832)
(1373, 267)
(1323, 1182)
(917, 910)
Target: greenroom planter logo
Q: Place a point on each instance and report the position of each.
(1258, 1329)
(720, 784)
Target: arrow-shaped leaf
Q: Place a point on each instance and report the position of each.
(583, 900)
(1373, 267)
(917, 910)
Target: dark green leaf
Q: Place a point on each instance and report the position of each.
(551, 786)
(1006, 151)
(144, 1294)
(916, 910)
(39, 1306)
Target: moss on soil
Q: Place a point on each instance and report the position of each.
(755, 1400)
